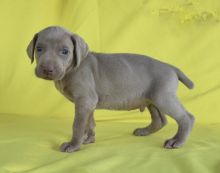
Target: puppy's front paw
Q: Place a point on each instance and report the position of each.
(89, 140)
(173, 143)
(69, 147)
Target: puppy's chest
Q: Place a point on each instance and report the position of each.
(66, 89)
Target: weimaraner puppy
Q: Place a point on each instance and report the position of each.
(119, 81)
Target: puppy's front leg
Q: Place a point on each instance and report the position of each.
(82, 112)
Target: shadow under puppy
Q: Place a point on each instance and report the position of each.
(119, 81)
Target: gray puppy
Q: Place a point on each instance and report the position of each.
(119, 81)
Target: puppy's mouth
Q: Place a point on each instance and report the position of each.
(49, 76)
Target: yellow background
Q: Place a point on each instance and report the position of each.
(35, 118)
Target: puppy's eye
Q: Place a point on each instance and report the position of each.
(65, 51)
(39, 49)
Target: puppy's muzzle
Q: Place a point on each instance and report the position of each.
(48, 72)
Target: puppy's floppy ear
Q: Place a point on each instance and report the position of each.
(31, 47)
(80, 49)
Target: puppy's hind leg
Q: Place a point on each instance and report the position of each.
(170, 105)
(158, 121)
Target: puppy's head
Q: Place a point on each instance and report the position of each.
(56, 51)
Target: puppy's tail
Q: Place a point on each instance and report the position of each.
(183, 78)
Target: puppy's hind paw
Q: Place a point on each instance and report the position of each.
(141, 132)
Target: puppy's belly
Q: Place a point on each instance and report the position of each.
(122, 104)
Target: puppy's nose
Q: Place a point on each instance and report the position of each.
(47, 69)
